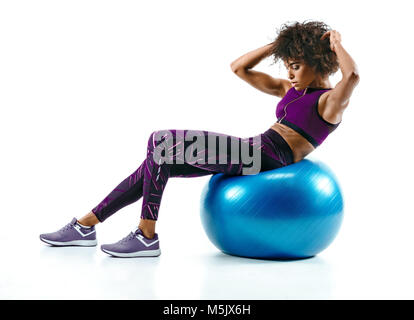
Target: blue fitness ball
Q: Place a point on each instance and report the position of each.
(292, 212)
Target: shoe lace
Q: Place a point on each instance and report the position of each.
(67, 227)
(127, 238)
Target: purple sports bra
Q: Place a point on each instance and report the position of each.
(299, 111)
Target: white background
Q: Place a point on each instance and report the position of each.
(84, 83)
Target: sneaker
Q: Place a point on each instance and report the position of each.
(73, 234)
(134, 245)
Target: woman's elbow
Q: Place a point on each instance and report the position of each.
(353, 77)
(234, 67)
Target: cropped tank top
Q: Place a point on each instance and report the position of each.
(299, 111)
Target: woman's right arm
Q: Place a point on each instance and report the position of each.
(242, 67)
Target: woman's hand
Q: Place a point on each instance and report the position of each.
(334, 38)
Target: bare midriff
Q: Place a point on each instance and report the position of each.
(299, 145)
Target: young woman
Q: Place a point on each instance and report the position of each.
(310, 109)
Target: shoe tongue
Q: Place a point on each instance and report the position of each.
(74, 220)
(137, 231)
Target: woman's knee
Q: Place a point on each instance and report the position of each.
(159, 136)
(159, 142)
(152, 140)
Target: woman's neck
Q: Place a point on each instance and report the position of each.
(320, 83)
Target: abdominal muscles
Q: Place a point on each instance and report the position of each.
(299, 145)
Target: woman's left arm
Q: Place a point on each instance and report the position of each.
(339, 96)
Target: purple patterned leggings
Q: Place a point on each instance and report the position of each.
(170, 155)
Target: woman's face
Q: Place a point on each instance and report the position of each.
(299, 74)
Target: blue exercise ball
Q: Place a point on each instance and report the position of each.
(293, 212)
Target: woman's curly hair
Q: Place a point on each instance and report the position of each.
(302, 41)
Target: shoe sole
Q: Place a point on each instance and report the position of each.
(79, 243)
(147, 253)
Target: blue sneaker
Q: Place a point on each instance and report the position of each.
(72, 234)
(134, 245)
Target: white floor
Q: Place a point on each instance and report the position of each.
(191, 268)
(87, 273)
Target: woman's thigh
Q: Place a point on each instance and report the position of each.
(214, 153)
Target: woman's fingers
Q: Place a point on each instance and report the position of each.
(325, 35)
(334, 36)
